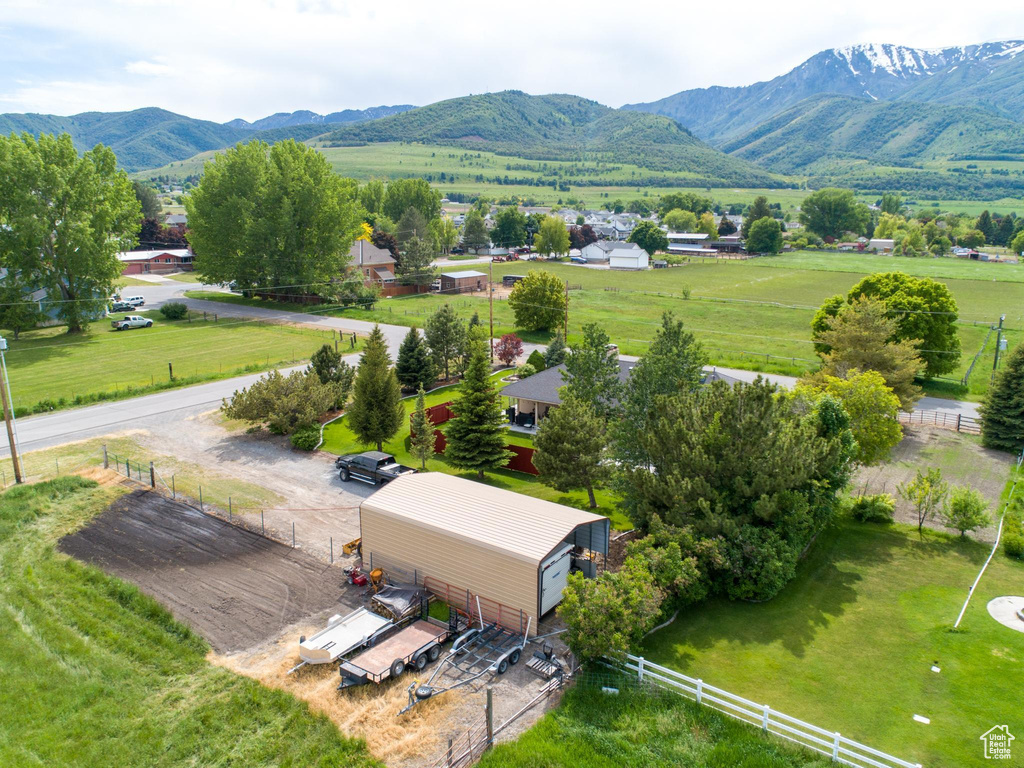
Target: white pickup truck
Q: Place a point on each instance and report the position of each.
(131, 321)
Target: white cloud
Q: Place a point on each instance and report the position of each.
(150, 68)
(249, 58)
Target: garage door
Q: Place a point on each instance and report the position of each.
(553, 577)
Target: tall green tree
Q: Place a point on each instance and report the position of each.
(334, 372)
(509, 228)
(18, 312)
(272, 216)
(923, 309)
(707, 225)
(892, 203)
(446, 335)
(371, 196)
(649, 236)
(445, 234)
(831, 211)
(1004, 231)
(591, 372)
(402, 194)
(376, 412)
(414, 367)
(553, 238)
(148, 200)
(765, 236)
(685, 201)
(758, 210)
(674, 362)
(474, 231)
(63, 219)
(476, 434)
(860, 339)
(678, 220)
(555, 352)
(1002, 414)
(411, 226)
(417, 264)
(985, 226)
(572, 448)
(538, 301)
(423, 440)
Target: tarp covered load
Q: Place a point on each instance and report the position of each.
(400, 601)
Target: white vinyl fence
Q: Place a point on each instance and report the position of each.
(839, 748)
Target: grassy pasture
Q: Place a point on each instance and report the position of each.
(95, 673)
(100, 363)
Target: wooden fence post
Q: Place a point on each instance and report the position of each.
(490, 717)
(152, 475)
(106, 459)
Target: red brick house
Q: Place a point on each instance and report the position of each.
(156, 262)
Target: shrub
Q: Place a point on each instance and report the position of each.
(306, 438)
(877, 508)
(174, 310)
(525, 370)
(1013, 545)
(536, 359)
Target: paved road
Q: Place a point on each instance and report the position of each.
(168, 410)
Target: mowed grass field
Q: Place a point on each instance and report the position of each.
(340, 440)
(47, 364)
(95, 673)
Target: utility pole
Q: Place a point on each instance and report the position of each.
(9, 413)
(999, 339)
(565, 319)
(490, 297)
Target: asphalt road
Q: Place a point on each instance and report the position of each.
(171, 409)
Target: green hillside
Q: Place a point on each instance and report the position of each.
(147, 138)
(558, 127)
(875, 144)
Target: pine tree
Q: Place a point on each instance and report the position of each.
(555, 353)
(423, 437)
(445, 337)
(415, 369)
(1002, 415)
(985, 226)
(592, 374)
(376, 413)
(572, 444)
(758, 210)
(476, 435)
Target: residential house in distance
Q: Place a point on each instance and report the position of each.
(176, 221)
(156, 261)
(600, 252)
(634, 258)
(881, 245)
(376, 265)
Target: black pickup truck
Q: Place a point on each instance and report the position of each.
(372, 467)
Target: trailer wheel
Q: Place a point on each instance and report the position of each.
(344, 475)
(514, 656)
(434, 652)
(397, 668)
(502, 666)
(420, 662)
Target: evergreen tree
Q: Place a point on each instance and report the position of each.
(474, 231)
(556, 351)
(476, 435)
(592, 374)
(572, 445)
(726, 227)
(417, 264)
(415, 369)
(1004, 232)
(1002, 415)
(985, 226)
(756, 211)
(412, 226)
(536, 359)
(376, 413)
(327, 364)
(445, 337)
(423, 438)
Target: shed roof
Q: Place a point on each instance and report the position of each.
(147, 255)
(520, 526)
(467, 273)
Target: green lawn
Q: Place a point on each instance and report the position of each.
(185, 277)
(593, 729)
(126, 281)
(849, 644)
(339, 439)
(49, 365)
(943, 267)
(95, 673)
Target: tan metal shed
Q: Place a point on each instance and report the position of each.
(510, 549)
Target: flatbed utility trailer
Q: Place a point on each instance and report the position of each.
(489, 648)
(344, 634)
(415, 646)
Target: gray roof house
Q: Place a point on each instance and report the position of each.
(601, 250)
(375, 264)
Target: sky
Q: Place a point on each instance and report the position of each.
(223, 59)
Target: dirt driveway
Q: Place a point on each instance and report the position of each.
(960, 458)
(233, 587)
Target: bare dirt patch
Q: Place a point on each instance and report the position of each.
(961, 459)
(232, 586)
(413, 740)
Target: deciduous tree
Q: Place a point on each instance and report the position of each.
(758, 210)
(966, 510)
(925, 493)
(591, 372)
(678, 220)
(538, 301)
(63, 219)
(831, 211)
(376, 413)
(401, 194)
(552, 238)
(17, 310)
(508, 348)
(445, 234)
(765, 236)
(148, 200)
(649, 236)
(509, 228)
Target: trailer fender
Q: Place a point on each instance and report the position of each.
(464, 638)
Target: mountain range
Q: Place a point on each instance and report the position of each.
(989, 76)
(305, 117)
